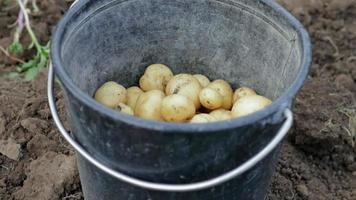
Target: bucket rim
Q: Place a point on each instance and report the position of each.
(277, 106)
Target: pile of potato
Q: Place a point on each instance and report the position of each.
(163, 96)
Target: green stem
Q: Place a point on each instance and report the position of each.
(35, 7)
(28, 27)
(18, 34)
(19, 28)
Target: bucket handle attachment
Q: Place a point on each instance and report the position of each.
(161, 186)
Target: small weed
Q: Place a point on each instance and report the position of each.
(40, 60)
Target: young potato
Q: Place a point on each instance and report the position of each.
(210, 98)
(155, 77)
(177, 108)
(241, 92)
(125, 109)
(111, 94)
(203, 80)
(224, 90)
(221, 114)
(249, 104)
(148, 105)
(202, 118)
(186, 85)
(132, 95)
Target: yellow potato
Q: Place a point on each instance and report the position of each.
(125, 109)
(155, 77)
(243, 91)
(249, 104)
(148, 105)
(210, 98)
(224, 90)
(203, 80)
(221, 114)
(111, 94)
(132, 95)
(202, 118)
(177, 108)
(186, 85)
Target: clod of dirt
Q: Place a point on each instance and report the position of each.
(352, 167)
(322, 125)
(47, 177)
(35, 125)
(10, 149)
(319, 189)
(40, 144)
(340, 4)
(38, 83)
(345, 81)
(303, 190)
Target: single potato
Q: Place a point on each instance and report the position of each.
(203, 80)
(224, 90)
(249, 104)
(221, 114)
(243, 91)
(148, 105)
(202, 118)
(210, 98)
(125, 109)
(155, 77)
(186, 85)
(111, 94)
(177, 108)
(132, 95)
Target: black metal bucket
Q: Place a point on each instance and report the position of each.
(255, 43)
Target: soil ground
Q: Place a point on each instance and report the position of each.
(318, 160)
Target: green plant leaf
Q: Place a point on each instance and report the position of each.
(27, 65)
(31, 45)
(43, 62)
(31, 73)
(16, 48)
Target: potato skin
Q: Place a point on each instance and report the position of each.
(224, 90)
(221, 114)
(249, 104)
(241, 92)
(177, 108)
(210, 98)
(203, 80)
(111, 94)
(186, 85)
(202, 118)
(124, 109)
(132, 95)
(156, 77)
(148, 105)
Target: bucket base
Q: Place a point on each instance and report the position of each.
(101, 186)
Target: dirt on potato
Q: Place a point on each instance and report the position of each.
(318, 159)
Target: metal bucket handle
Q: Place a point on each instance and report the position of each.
(160, 186)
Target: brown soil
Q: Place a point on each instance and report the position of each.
(318, 161)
